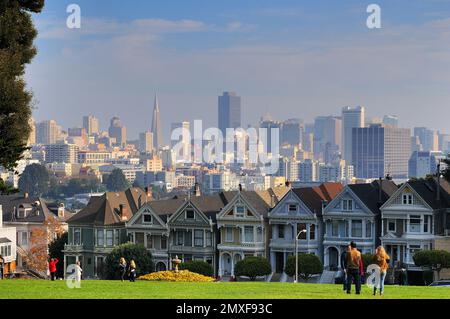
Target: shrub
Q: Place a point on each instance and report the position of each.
(141, 256)
(181, 276)
(308, 265)
(199, 267)
(432, 259)
(253, 267)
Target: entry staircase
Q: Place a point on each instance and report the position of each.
(327, 277)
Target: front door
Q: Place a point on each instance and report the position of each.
(279, 262)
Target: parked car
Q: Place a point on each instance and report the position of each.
(440, 283)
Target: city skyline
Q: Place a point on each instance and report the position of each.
(270, 53)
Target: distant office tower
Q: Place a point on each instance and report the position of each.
(61, 153)
(391, 120)
(270, 127)
(146, 142)
(156, 126)
(184, 139)
(428, 139)
(79, 132)
(351, 117)
(444, 142)
(421, 164)
(327, 134)
(117, 131)
(32, 136)
(307, 171)
(292, 131)
(378, 151)
(90, 124)
(47, 132)
(308, 138)
(229, 112)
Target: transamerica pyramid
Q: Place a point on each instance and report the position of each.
(156, 126)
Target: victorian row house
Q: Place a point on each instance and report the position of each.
(224, 228)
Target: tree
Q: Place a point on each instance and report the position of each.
(55, 250)
(253, 267)
(17, 33)
(434, 260)
(6, 188)
(116, 181)
(34, 180)
(199, 267)
(141, 256)
(308, 265)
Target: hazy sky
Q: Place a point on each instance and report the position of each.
(287, 58)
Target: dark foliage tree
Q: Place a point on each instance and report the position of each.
(142, 257)
(199, 267)
(116, 181)
(17, 33)
(6, 188)
(434, 260)
(34, 180)
(253, 267)
(55, 250)
(308, 265)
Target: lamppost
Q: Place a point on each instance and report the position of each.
(296, 254)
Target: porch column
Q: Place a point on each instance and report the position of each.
(364, 221)
(145, 239)
(382, 226)
(220, 266)
(272, 260)
(232, 265)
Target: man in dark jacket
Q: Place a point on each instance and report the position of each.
(344, 267)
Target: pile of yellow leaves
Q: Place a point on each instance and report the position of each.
(181, 276)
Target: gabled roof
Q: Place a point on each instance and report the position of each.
(104, 210)
(369, 193)
(40, 209)
(427, 190)
(314, 197)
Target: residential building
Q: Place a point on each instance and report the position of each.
(7, 247)
(154, 164)
(61, 153)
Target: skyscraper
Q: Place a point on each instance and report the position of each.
(391, 120)
(47, 132)
(421, 164)
(292, 132)
(351, 117)
(229, 112)
(90, 124)
(156, 126)
(327, 134)
(117, 131)
(428, 139)
(380, 150)
(146, 142)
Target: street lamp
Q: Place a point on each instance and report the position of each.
(296, 254)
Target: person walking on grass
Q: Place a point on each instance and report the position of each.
(354, 268)
(344, 267)
(381, 258)
(123, 268)
(78, 272)
(52, 268)
(132, 270)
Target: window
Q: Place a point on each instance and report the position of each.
(24, 238)
(347, 204)
(356, 228)
(391, 226)
(188, 238)
(100, 237)
(259, 234)
(240, 211)
(335, 228)
(229, 234)
(407, 199)
(198, 238)
(248, 234)
(190, 214)
(414, 224)
(413, 249)
(281, 231)
(117, 239)
(180, 239)
(147, 219)
(312, 232)
(208, 238)
(301, 227)
(368, 229)
(426, 224)
(110, 238)
(292, 208)
(163, 242)
(149, 241)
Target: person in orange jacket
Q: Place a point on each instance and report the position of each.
(52, 268)
(354, 268)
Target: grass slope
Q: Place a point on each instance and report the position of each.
(40, 289)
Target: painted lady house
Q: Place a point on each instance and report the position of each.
(354, 215)
(300, 209)
(415, 217)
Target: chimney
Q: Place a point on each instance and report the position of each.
(240, 187)
(61, 210)
(149, 193)
(287, 184)
(122, 212)
(25, 195)
(197, 191)
(272, 200)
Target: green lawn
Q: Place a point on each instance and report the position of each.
(40, 289)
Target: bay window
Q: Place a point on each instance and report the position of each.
(414, 223)
(357, 228)
(248, 234)
(198, 237)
